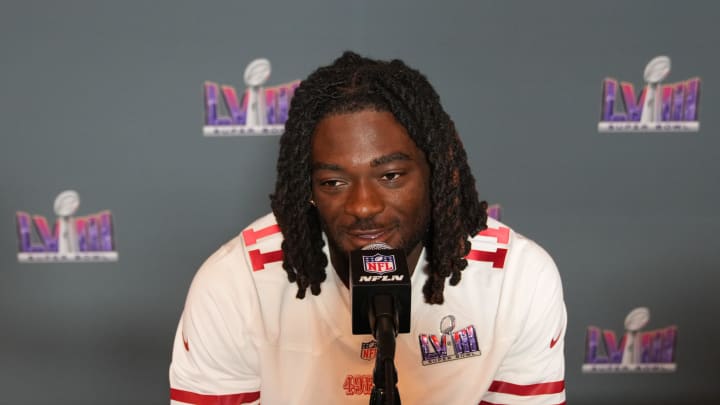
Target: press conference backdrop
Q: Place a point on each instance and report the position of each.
(106, 98)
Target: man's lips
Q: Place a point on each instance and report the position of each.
(367, 233)
(365, 236)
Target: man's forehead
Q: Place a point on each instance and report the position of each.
(378, 161)
(351, 128)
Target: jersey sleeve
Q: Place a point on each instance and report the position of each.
(533, 371)
(214, 360)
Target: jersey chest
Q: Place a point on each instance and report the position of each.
(311, 350)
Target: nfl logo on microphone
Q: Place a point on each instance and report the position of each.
(379, 264)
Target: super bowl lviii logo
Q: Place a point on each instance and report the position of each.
(260, 111)
(659, 107)
(86, 238)
(636, 351)
(452, 344)
(494, 211)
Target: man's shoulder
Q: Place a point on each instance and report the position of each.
(501, 246)
(255, 248)
(262, 234)
(262, 243)
(264, 231)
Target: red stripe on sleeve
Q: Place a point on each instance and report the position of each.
(503, 387)
(497, 258)
(251, 236)
(202, 399)
(258, 259)
(502, 234)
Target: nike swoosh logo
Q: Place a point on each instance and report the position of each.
(187, 346)
(553, 342)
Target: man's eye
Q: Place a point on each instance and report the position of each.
(331, 183)
(391, 176)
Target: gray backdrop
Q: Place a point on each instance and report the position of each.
(106, 98)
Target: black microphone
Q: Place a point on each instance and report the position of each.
(379, 286)
(380, 301)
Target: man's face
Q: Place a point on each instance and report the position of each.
(370, 182)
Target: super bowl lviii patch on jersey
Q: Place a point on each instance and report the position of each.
(450, 345)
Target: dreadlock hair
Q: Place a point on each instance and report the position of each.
(352, 84)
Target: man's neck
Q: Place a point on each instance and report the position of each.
(340, 262)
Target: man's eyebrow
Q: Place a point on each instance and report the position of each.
(374, 163)
(389, 158)
(326, 166)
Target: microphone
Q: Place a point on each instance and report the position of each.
(380, 303)
(379, 288)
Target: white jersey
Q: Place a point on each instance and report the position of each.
(497, 339)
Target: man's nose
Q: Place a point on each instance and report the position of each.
(364, 200)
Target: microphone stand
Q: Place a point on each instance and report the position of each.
(383, 321)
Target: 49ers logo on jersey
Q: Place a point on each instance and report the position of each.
(358, 384)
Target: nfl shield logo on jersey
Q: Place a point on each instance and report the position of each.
(368, 350)
(379, 264)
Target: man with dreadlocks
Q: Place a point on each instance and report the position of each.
(369, 155)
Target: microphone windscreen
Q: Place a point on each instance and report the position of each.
(377, 246)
